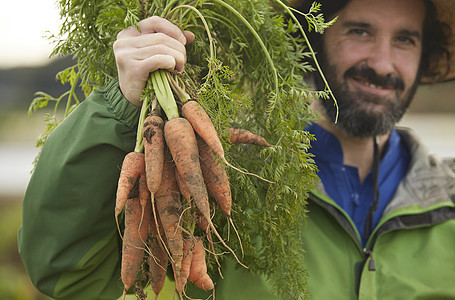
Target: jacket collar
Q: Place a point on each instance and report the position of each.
(429, 182)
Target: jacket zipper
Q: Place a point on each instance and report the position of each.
(367, 252)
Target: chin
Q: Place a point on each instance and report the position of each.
(362, 124)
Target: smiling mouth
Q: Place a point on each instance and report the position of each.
(364, 82)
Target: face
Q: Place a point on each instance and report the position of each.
(371, 61)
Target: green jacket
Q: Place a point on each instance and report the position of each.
(70, 246)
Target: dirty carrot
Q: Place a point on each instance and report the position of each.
(217, 182)
(215, 177)
(153, 151)
(204, 127)
(181, 280)
(168, 206)
(181, 140)
(201, 221)
(133, 247)
(144, 201)
(198, 118)
(157, 260)
(198, 270)
(244, 136)
(128, 184)
(182, 187)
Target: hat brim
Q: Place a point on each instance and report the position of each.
(446, 12)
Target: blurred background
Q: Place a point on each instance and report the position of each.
(25, 68)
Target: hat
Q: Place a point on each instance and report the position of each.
(446, 13)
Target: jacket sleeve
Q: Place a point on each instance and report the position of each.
(68, 239)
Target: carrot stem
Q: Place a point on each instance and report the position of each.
(181, 94)
(164, 93)
(258, 39)
(206, 26)
(290, 11)
(139, 136)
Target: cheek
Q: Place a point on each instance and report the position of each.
(408, 67)
(345, 55)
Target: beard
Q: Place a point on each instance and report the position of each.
(362, 114)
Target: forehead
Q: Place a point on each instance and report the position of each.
(400, 14)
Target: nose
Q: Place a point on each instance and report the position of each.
(380, 58)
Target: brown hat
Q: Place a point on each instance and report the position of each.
(446, 12)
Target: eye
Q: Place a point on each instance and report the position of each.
(360, 32)
(406, 40)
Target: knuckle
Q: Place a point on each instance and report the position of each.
(159, 49)
(159, 37)
(117, 45)
(155, 19)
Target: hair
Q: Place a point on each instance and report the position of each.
(436, 57)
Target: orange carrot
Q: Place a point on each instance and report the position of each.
(201, 221)
(180, 281)
(215, 177)
(144, 201)
(132, 167)
(198, 118)
(243, 136)
(181, 140)
(154, 151)
(217, 182)
(157, 260)
(133, 247)
(153, 141)
(168, 206)
(198, 270)
(182, 187)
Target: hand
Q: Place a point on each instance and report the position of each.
(159, 45)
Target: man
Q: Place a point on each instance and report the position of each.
(380, 226)
(372, 59)
(383, 202)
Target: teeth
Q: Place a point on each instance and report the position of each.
(372, 85)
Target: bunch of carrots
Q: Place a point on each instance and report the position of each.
(246, 67)
(173, 167)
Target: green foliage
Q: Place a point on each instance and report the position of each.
(246, 67)
(316, 22)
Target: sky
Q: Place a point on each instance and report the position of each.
(23, 25)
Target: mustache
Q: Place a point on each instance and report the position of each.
(368, 74)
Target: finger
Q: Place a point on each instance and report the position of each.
(161, 51)
(151, 39)
(165, 62)
(157, 24)
(128, 32)
(128, 52)
(142, 68)
(189, 37)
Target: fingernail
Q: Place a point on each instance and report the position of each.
(183, 39)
